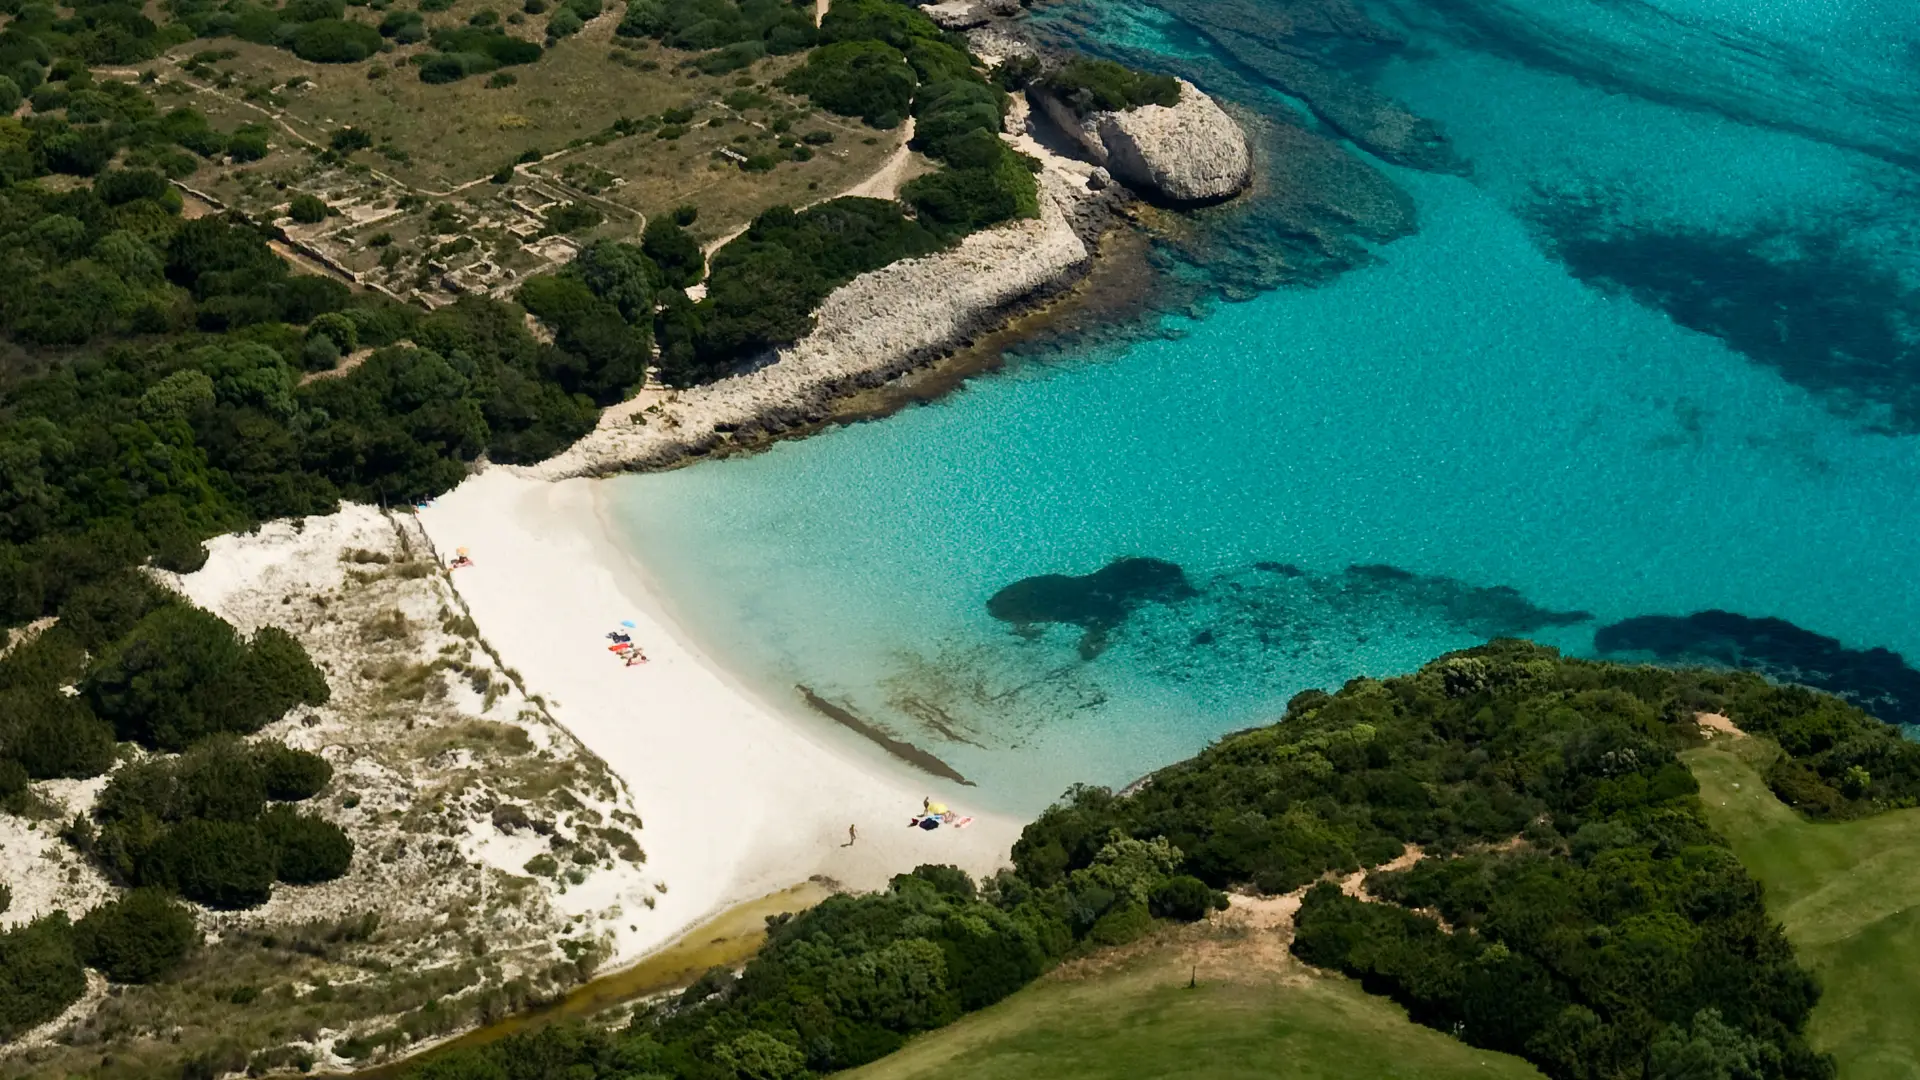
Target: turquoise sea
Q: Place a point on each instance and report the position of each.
(1651, 351)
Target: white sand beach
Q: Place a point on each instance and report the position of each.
(739, 796)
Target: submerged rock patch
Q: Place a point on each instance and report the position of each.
(1095, 602)
(1878, 680)
(1823, 314)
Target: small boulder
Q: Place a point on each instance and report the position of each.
(956, 14)
(1099, 180)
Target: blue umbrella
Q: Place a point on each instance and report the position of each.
(628, 623)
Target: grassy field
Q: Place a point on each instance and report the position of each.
(1139, 1019)
(1849, 896)
(456, 134)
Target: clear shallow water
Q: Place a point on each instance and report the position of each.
(1524, 444)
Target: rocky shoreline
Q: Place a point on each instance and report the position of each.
(907, 316)
(870, 331)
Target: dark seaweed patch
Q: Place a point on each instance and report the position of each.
(1485, 610)
(1878, 680)
(1281, 568)
(1271, 605)
(1095, 602)
(1807, 304)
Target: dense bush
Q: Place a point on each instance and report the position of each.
(868, 79)
(40, 973)
(182, 674)
(886, 21)
(335, 41)
(289, 775)
(1185, 898)
(473, 50)
(199, 823)
(675, 252)
(774, 26)
(1087, 85)
(52, 735)
(307, 209)
(306, 850)
(600, 307)
(1620, 916)
(762, 288)
(222, 864)
(837, 986)
(139, 937)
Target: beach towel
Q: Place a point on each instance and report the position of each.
(963, 823)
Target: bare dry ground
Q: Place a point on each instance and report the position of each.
(445, 201)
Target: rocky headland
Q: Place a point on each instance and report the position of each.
(1190, 152)
(905, 316)
(875, 328)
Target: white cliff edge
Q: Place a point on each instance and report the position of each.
(1188, 152)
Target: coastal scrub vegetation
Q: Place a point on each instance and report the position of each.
(880, 61)
(1558, 893)
(1089, 85)
(129, 661)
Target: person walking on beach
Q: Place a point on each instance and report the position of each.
(851, 837)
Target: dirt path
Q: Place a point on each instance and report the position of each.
(1718, 725)
(347, 364)
(886, 180)
(883, 183)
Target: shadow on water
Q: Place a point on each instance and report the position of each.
(726, 940)
(1809, 304)
(1877, 679)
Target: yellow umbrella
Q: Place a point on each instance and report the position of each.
(459, 551)
(937, 808)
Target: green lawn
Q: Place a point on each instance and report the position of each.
(1849, 896)
(1141, 1021)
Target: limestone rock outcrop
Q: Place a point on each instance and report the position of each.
(1187, 152)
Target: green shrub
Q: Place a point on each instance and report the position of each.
(40, 973)
(346, 140)
(335, 41)
(290, 775)
(138, 938)
(222, 864)
(564, 22)
(342, 330)
(307, 209)
(1185, 898)
(245, 146)
(306, 849)
(619, 274)
(674, 251)
(868, 79)
(319, 353)
(886, 21)
(1121, 925)
(182, 674)
(1087, 85)
(52, 735)
(573, 217)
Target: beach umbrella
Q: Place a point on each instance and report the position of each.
(937, 808)
(628, 623)
(459, 551)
